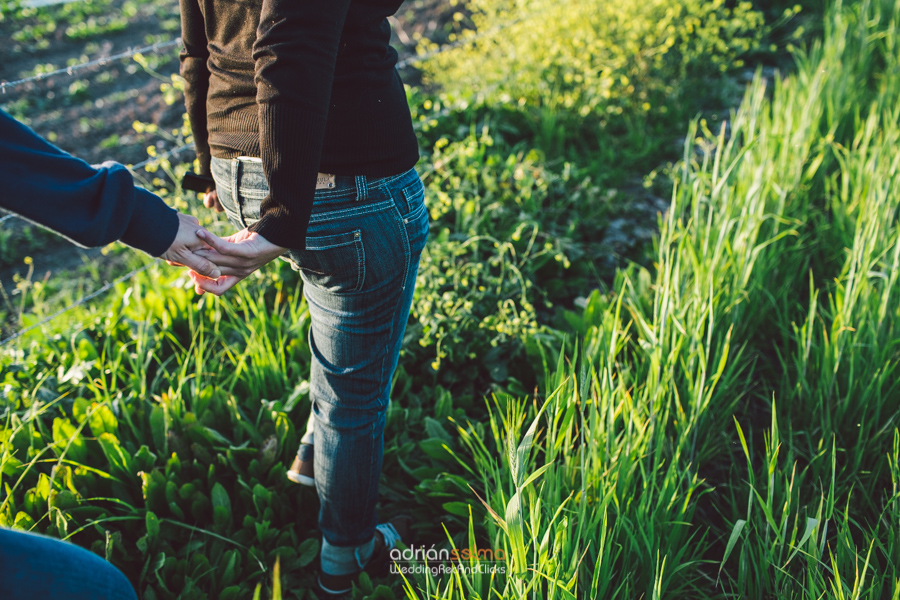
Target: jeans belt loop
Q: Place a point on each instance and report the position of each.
(362, 188)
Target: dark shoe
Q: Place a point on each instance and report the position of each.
(334, 587)
(302, 472)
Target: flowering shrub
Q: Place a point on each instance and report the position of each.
(597, 57)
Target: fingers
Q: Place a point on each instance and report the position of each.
(201, 265)
(230, 265)
(211, 200)
(238, 271)
(213, 286)
(223, 247)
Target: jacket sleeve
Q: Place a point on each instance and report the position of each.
(194, 70)
(90, 205)
(295, 54)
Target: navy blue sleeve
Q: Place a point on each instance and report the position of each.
(90, 205)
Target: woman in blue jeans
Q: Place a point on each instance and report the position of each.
(359, 268)
(300, 116)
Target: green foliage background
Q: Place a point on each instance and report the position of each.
(709, 413)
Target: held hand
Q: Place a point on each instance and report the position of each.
(237, 256)
(184, 249)
(211, 200)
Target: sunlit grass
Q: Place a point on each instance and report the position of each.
(724, 425)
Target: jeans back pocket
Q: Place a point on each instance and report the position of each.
(334, 263)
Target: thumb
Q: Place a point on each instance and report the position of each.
(201, 265)
(221, 246)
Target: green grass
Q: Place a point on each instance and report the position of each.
(715, 420)
(775, 293)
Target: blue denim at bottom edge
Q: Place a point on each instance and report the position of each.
(36, 567)
(363, 245)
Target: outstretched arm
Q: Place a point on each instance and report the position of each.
(90, 205)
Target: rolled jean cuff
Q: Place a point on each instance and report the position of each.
(346, 560)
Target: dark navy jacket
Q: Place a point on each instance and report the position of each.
(90, 205)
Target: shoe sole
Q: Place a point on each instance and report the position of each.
(301, 479)
(326, 593)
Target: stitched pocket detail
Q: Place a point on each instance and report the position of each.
(335, 263)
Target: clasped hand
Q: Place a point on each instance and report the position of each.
(217, 264)
(237, 256)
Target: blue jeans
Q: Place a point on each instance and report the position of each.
(35, 567)
(359, 268)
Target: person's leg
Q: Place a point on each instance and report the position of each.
(302, 470)
(359, 268)
(308, 438)
(36, 567)
(355, 340)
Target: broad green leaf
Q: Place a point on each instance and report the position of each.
(435, 448)
(144, 459)
(176, 510)
(153, 488)
(308, 551)
(221, 505)
(171, 491)
(59, 519)
(232, 567)
(23, 521)
(382, 592)
(435, 430)
(186, 491)
(214, 436)
(80, 409)
(152, 523)
(11, 467)
(115, 455)
(43, 489)
(460, 509)
(232, 592)
(301, 390)
(102, 420)
(68, 438)
(365, 583)
(32, 502)
(443, 408)
(63, 500)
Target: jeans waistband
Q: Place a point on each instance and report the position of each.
(364, 184)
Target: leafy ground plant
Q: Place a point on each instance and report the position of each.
(718, 423)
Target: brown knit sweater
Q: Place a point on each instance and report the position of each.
(306, 85)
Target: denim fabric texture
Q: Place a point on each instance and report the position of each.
(36, 567)
(359, 266)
